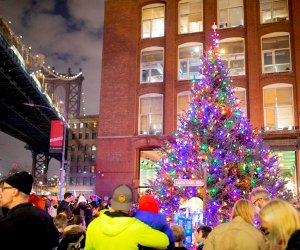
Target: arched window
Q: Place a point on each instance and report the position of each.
(190, 16)
(153, 21)
(233, 55)
(240, 93)
(273, 11)
(189, 60)
(151, 114)
(152, 64)
(230, 13)
(276, 54)
(278, 106)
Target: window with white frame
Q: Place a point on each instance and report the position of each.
(230, 13)
(240, 93)
(151, 114)
(190, 18)
(233, 55)
(276, 54)
(189, 60)
(278, 106)
(153, 21)
(152, 65)
(273, 11)
(183, 100)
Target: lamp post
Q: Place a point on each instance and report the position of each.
(62, 167)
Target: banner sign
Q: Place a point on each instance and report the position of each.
(188, 183)
(56, 136)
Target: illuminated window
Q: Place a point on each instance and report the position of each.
(233, 55)
(240, 93)
(276, 54)
(287, 162)
(190, 16)
(278, 107)
(183, 100)
(273, 11)
(151, 114)
(189, 60)
(230, 13)
(152, 65)
(148, 168)
(94, 147)
(153, 21)
(74, 125)
(81, 125)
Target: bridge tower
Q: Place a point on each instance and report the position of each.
(65, 90)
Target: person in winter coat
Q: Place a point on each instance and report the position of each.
(25, 226)
(65, 204)
(147, 212)
(115, 229)
(84, 210)
(239, 233)
(281, 222)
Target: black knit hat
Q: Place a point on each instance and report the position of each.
(22, 181)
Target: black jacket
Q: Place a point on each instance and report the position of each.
(28, 227)
(294, 241)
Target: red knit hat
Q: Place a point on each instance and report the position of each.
(148, 203)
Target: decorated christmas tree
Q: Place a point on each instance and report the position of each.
(215, 143)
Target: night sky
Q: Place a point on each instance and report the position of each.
(69, 34)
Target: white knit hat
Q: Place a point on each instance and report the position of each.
(81, 199)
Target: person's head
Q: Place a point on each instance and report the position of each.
(259, 197)
(60, 221)
(244, 209)
(68, 197)
(279, 220)
(16, 189)
(148, 203)
(81, 200)
(202, 233)
(179, 234)
(122, 198)
(76, 220)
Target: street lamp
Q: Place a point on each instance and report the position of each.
(62, 167)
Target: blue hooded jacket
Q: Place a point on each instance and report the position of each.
(158, 222)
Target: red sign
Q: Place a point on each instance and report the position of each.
(188, 183)
(56, 136)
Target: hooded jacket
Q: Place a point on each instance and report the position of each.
(115, 230)
(158, 222)
(235, 235)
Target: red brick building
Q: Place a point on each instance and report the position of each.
(151, 51)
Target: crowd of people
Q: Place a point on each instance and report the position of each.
(28, 221)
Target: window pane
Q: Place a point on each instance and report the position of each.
(280, 10)
(236, 17)
(269, 97)
(150, 115)
(278, 42)
(183, 70)
(158, 27)
(223, 19)
(282, 56)
(284, 96)
(285, 117)
(183, 103)
(270, 118)
(146, 29)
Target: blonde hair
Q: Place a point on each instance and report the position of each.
(283, 220)
(244, 209)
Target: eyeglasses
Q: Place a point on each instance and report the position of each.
(254, 202)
